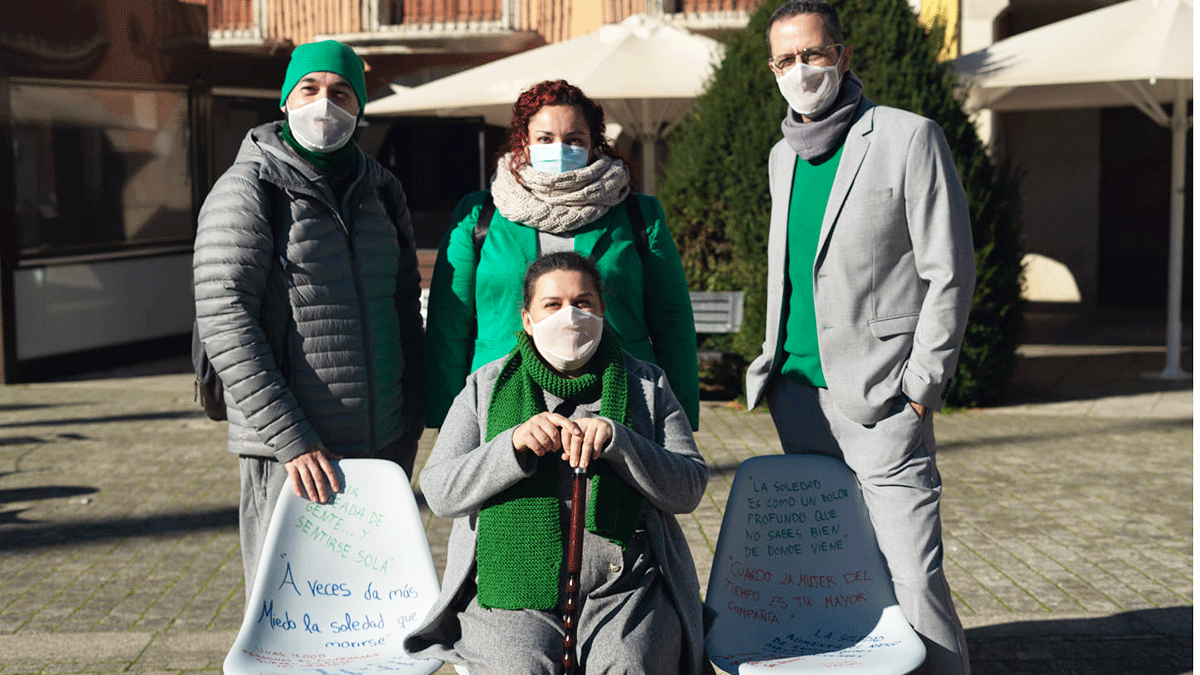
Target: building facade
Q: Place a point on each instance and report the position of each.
(100, 171)
(1095, 181)
(118, 114)
(116, 121)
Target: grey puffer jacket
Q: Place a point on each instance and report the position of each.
(310, 311)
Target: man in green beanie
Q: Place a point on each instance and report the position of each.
(308, 296)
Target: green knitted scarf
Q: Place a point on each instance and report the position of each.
(519, 550)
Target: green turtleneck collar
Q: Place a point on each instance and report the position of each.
(340, 161)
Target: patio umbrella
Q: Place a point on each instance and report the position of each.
(645, 73)
(1137, 52)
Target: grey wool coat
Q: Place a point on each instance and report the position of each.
(308, 309)
(658, 457)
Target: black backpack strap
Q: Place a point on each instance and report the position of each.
(390, 193)
(637, 221)
(482, 225)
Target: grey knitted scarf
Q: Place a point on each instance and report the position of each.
(559, 202)
(821, 137)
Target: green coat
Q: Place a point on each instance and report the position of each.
(647, 306)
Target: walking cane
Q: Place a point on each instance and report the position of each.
(574, 565)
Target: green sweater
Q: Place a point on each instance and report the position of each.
(648, 308)
(810, 193)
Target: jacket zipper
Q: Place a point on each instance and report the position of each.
(364, 322)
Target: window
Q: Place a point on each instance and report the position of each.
(100, 170)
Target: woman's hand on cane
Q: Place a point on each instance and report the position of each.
(544, 433)
(581, 440)
(580, 450)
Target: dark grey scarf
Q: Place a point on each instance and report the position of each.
(821, 137)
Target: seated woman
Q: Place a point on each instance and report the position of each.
(567, 396)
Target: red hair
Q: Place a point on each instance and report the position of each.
(547, 93)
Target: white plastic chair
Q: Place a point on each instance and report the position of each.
(798, 584)
(340, 585)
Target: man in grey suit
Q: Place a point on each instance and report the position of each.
(870, 276)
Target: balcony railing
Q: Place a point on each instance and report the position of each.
(233, 23)
(435, 19)
(263, 23)
(422, 25)
(703, 15)
(400, 13)
(708, 6)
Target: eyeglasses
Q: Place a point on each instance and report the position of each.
(823, 56)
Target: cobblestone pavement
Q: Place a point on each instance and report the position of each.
(1067, 520)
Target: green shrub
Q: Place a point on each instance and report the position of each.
(716, 196)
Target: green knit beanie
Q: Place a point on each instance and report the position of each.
(325, 56)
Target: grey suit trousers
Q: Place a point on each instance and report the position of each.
(894, 460)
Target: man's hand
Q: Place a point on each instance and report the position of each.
(313, 474)
(919, 408)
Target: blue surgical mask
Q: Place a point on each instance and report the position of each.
(557, 157)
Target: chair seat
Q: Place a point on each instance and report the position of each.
(891, 647)
(340, 585)
(798, 584)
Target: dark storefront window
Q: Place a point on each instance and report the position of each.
(1135, 211)
(438, 163)
(233, 116)
(99, 170)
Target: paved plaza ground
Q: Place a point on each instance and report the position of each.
(1067, 518)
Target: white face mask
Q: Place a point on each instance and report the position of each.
(557, 157)
(321, 126)
(810, 90)
(568, 338)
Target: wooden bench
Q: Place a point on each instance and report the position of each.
(718, 312)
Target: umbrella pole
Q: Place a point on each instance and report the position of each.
(649, 170)
(1179, 125)
(649, 153)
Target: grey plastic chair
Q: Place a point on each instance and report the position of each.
(340, 585)
(798, 584)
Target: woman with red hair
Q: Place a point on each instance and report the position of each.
(558, 186)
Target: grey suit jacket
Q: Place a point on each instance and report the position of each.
(894, 272)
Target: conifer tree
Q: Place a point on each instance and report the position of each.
(716, 196)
